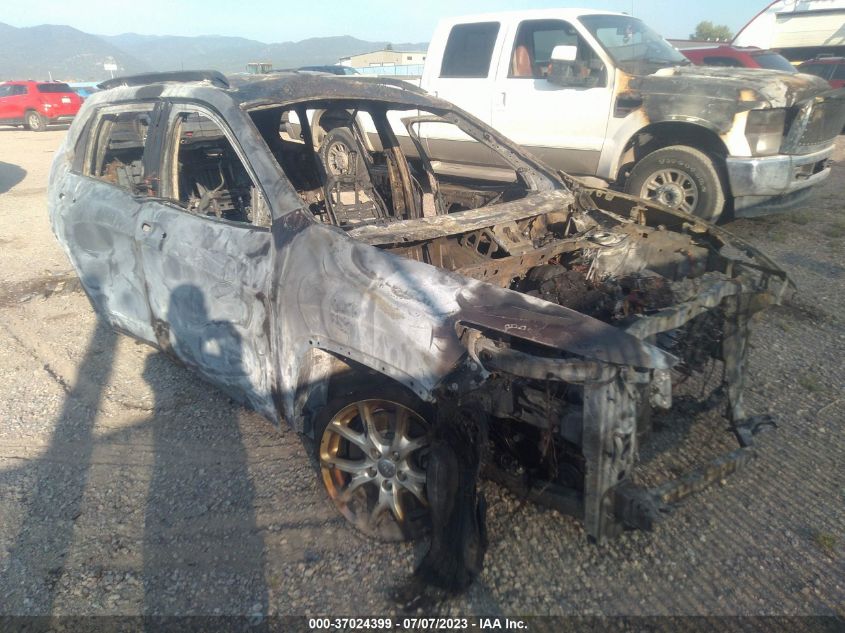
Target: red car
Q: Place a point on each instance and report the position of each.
(744, 57)
(831, 69)
(35, 104)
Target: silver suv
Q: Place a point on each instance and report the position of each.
(420, 326)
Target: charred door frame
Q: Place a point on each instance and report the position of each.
(246, 271)
(80, 171)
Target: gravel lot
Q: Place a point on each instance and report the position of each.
(128, 485)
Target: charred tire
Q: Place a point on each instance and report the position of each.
(372, 452)
(680, 177)
(336, 150)
(35, 122)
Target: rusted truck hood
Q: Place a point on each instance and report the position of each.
(714, 96)
(752, 87)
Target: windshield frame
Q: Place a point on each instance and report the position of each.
(667, 55)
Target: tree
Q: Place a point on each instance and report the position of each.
(710, 32)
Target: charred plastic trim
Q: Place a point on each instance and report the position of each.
(712, 292)
(495, 356)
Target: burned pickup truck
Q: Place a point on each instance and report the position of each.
(419, 325)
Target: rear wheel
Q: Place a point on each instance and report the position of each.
(373, 455)
(35, 122)
(682, 178)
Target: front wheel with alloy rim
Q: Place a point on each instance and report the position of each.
(35, 122)
(679, 177)
(373, 456)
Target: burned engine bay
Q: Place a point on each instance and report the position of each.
(608, 300)
(565, 430)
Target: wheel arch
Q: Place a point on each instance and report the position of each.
(325, 374)
(662, 134)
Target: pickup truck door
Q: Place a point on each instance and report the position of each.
(565, 126)
(464, 74)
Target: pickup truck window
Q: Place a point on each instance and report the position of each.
(635, 47)
(533, 45)
(469, 50)
(819, 70)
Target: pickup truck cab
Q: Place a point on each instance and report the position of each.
(601, 94)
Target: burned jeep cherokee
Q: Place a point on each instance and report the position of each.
(421, 322)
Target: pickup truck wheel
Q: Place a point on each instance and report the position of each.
(373, 455)
(682, 178)
(35, 122)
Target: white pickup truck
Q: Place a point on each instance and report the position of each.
(601, 94)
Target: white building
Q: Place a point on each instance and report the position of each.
(385, 57)
(798, 29)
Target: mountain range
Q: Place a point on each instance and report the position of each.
(65, 53)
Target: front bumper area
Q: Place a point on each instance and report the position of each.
(757, 181)
(614, 396)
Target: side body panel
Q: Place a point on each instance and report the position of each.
(206, 282)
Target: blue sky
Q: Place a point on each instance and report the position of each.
(394, 20)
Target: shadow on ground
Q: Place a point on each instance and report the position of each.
(10, 175)
(202, 552)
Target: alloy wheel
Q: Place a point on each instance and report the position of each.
(373, 456)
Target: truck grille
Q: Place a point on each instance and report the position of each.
(816, 123)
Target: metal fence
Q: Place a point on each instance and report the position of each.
(411, 70)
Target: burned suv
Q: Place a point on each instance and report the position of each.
(421, 324)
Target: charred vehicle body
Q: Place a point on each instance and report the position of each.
(419, 326)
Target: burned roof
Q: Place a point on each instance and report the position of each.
(284, 87)
(290, 87)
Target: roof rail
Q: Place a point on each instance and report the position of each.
(179, 76)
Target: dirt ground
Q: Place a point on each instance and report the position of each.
(128, 485)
